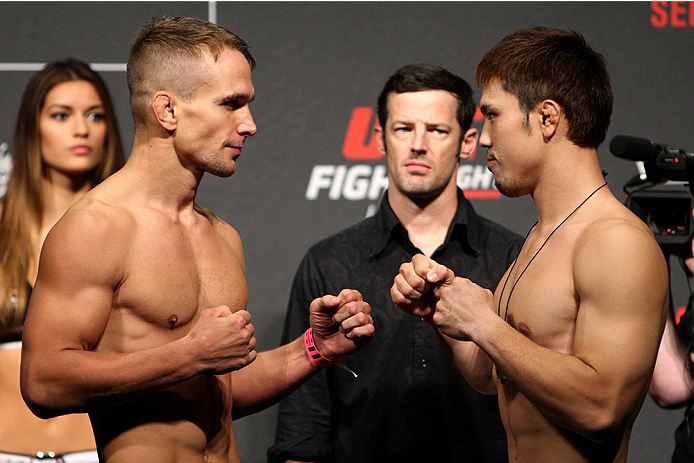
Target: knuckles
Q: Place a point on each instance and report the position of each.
(354, 308)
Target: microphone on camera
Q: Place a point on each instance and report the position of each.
(635, 148)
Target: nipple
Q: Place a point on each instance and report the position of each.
(172, 320)
(524, 329)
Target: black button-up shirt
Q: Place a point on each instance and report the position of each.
(410, 402)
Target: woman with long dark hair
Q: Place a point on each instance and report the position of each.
(66, 141)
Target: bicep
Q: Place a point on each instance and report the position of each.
(622, 286)
(71, 301)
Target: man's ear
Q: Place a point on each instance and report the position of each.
(378, 135)
(163, 108)
(550, 113)
(468, 147)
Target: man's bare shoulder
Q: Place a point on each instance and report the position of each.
(98, 213)
(616, 243)
(613, 224)
(225, 231)
(95, 226)
(220, 225)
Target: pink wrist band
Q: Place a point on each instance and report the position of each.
(312, 350)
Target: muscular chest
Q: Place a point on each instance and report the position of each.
(173, 272)
(538, 296)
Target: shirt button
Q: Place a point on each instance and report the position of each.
(424, 363)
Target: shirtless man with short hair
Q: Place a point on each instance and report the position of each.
(569, 339)
(139, 314)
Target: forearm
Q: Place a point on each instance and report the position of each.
(272, 376)
(77, 381)
(563, 387)
(474, 364)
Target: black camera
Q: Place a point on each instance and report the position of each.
(662, 193)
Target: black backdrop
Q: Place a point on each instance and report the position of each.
(311, 169)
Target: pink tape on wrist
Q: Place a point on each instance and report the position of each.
(312, 350)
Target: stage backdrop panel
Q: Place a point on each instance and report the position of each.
(312, 169)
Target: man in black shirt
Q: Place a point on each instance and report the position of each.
(409, 401)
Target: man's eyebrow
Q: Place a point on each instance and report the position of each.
(428, 124)
(484, 108)
(237, 97)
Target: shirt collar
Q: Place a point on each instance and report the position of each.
(464, 227)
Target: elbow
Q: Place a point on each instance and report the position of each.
(40, 399)
(42, 412)
(669, 402)
(484, 386)
(603, 425)
(39, 406)
(660, 398)
(601, 432)
(480, 379)
(668, 395)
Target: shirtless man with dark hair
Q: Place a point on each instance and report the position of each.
(139, 314)
(569, 339)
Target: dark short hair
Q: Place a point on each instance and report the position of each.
(544, 63)
(421, 77)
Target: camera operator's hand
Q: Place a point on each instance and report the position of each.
(672, 384)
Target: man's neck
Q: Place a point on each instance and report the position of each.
(426, 222)
(162, 180)
(565, 186)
